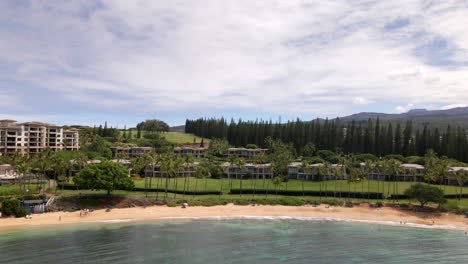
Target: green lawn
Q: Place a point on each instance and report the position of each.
(175, 137)
(181, 138)
(344, 186)
(13, 189)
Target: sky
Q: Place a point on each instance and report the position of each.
(86, 62)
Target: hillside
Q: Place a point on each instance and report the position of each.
(435, 118)
(176, 137)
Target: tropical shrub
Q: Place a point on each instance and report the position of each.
(13, 207)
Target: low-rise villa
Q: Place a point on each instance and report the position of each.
(187, 171)
(316, 172)
(196, 152)
(249, 171)
(130, 152)
(245, 152)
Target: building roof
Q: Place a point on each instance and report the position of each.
(121, 161)
(458, 168)
(35, 123)
(71, 130)
(412, 166)
(246, 149)
(130, 148)
(192, 148)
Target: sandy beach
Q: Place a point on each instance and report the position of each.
(363, 213)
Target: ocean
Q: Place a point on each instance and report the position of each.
(254, 241)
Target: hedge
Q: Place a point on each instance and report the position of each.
(404, 197)
(69, 186)
(361, 195)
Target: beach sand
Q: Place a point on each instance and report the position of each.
(362, 213)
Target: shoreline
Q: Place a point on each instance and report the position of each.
(358, 214)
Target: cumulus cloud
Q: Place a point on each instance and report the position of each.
(403, 109)
(360, 101)
(445, 107)
(298, 57)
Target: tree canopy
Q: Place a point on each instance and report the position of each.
(107, 176)
(373, 136)
(153, 125)
(424, 194)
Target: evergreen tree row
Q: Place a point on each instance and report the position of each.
(374, 137)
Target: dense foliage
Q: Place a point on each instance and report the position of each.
(13, 207)
(425, 193)
(153, 126)
(107, 176)
(373, 137)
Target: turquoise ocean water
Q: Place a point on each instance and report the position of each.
(234, 241)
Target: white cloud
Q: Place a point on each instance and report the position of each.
(297, 56)
(403, 109)
(360, 101)
(445, 107)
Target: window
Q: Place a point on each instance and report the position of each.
(26, 134)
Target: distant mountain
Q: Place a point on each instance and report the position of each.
(420, 117)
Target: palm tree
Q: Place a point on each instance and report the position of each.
(305, 167)
(259, 159)
(277, 183)
(201, 171)
(21, 168)
(44, 162)
(322, 170)
(207, 173)
(395, 169)
(327, 166)
(336, 173)
(167, 169)
(461, 175)
(178, 166)
(370, 167)
(231, 159)
(378, 167)
(188, 160)
(353, 177)
(239, 164)
(59, 167)
(80, 162)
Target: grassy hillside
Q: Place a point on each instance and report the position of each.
(181, 138)
(175, 137)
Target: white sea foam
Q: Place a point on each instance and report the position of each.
(331, 219)
(112, 221)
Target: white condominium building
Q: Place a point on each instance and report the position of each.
(33, 137)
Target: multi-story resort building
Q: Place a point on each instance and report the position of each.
(195, 152)
(129, 152)
(33, 137)
(245, 152)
